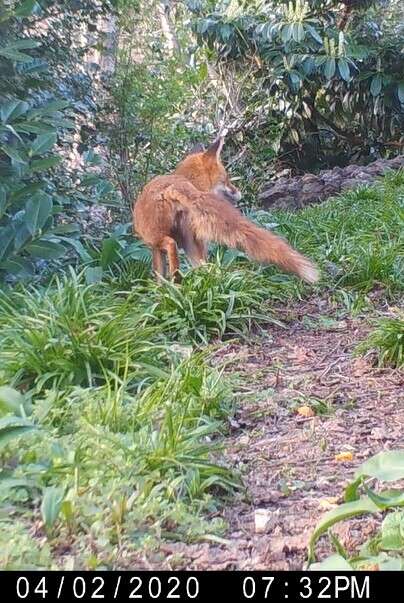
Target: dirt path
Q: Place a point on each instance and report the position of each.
(288, 461)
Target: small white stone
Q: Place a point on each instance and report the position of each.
(262, 519)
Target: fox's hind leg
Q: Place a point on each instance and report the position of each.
(196, 250)
(170, 247)
(159, 262)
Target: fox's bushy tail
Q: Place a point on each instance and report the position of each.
(266, 247)
(214, 219)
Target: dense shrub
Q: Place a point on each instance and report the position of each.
(44, 93)
(324, 80)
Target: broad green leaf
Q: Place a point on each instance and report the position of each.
(92, 158)
(29, 127)
(22, 236)
(17, 266)
(24, 44)
(90, 180)
(67, 510)
(298, 32)
(3, 201)
(393, 532)
(9, 482)
(51, 107)
(51, 504)
(66, 229)
(314, 34)
(103, 187)
(79, 247)
(376, 85)
(46, 249)
(320, 61)
(295, 77)
(37, 211)
(14, 55)
(329, 68)
(391, 564)
(138, 251)
(343, 68)
(6, 241)
(43, 143)
(387, 466)
(286, 33)
(40, 165)
(12, 109)
(351, 491)
(14, 427)
(58, 122)
(26, 191)
(13, 131)
(400, 92)
(344, 511)
(109, 252)
(36, 66)
(332, 563)
(204, 25)
(27, 8)
(225, 31)
(13, 153)
(387, 498)
(11, 400)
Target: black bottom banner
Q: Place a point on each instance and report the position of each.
(201, 586)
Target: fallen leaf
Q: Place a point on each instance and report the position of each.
(344, 457)
(360, 367)
(328, 503)
(370, 567)
(305, 411)
(300, 355)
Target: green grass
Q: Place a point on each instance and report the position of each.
(75, 334)
(110, 436)
(358, 237)
(213, 301)
(387, 340)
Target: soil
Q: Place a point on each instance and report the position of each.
(288, 461)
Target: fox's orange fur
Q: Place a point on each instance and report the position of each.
(193, 206)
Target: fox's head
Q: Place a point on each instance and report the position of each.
(206, 172)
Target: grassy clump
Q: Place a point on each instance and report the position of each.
(126, 467)
(387, 340)
(71, 333)
(213, 301)
(357, 237)
(119, 422)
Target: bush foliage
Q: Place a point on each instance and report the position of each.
(43, 98)
(325, 79)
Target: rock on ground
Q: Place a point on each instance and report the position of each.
(294, 193)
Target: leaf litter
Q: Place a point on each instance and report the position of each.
(295, 465)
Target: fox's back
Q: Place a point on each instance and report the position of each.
(157, 215)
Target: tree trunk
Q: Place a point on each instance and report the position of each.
(164, 12)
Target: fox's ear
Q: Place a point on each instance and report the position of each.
(216, 148)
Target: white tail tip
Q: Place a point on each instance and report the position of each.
(309, 273)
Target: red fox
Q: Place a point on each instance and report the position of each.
(193, 206)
